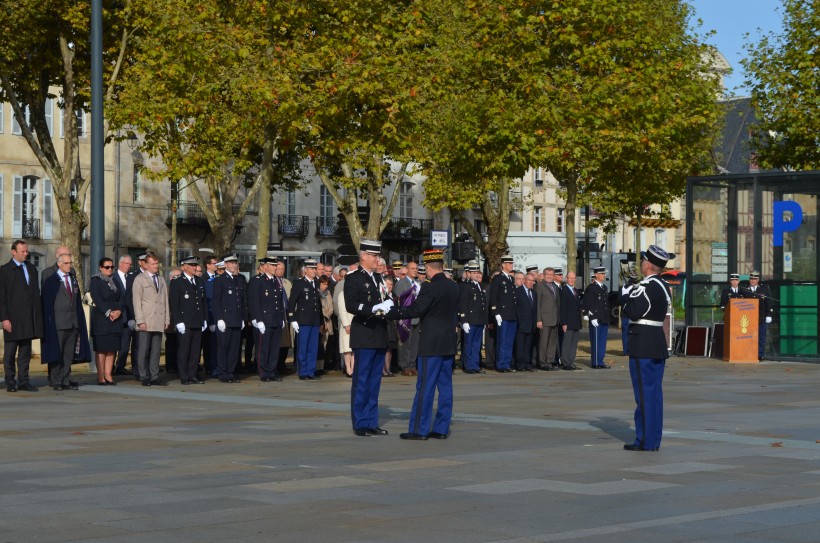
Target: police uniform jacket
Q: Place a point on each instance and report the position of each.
(472, 303)
(570, 308)
(436, 308)
(764, 297)
(229, 301)
(187, 301)
(361, 293)
(596, 302)
(727, 294)
(304, 305)
(646, 305)
(502, 297)
(265, 302)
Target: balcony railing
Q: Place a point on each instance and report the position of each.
(294, 225)
(327, 227)
(408, 229)
(190, 214)
(31, 228)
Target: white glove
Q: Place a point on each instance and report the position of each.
(253, 322)
(295, 326)
(132, 324)
(261, 327)
(181, 328)
(387, 304)
(586, 318)
(625, 290)
(466, 328)
(498, 319)
(594, 322)
(221, 325)
(242, 325)
(768, 320)
(204, 325)
(212, 327)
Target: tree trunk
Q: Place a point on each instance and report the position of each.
(263, 224)
(571, 187)
(497, 218)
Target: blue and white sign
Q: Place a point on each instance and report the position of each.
(439, 238)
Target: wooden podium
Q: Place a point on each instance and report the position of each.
(740, 319)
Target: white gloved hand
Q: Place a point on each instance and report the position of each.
(498, 319)
(626, 290)
(181, 328)
(387, 304)
(204, 325)
(221, 325)
(261, 327)
(594, 322)
(586, 318)
(212, 327)
(242, 325)
(768, 320)
(132, 324)
(253, 322)
(295, 326)
(466, 328)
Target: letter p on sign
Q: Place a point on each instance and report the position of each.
(781, 226)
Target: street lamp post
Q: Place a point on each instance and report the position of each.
(97, 239)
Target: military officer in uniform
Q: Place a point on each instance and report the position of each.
(365, 296)
(734, 291)
(765, 310)
(646, 305)
(186, 299)
(436, 307)
(596, 307)
(229, 309)
(305, 316)
(268, 315)
(472, 313)
(502, 309)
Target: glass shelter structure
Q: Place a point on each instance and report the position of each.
(758, 221)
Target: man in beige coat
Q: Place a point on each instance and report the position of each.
(152, 317)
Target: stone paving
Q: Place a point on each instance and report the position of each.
(532, 458)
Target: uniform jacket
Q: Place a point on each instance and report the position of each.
(502, 297)
(105, 300)
(727, 294)
(570, 307)
(53, 287)
(648, 300)
(20, 303)
(472, 304)
(230, 302)
(187, 302)
(549, 303)
(304, 305)
(265, 301)
(150, 305)
(526, 309)
(361, 293)
(764, 297)
(596, 302)
(436, 308)
(125, 288)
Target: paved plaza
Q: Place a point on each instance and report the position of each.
(532, 458)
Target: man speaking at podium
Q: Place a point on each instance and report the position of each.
(765, 308)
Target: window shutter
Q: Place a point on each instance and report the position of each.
(47, 210)
(17, 213)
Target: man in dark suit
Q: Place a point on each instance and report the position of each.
(305, 316)
(268, 314)
(765, 310)
(526, 303)
(21, 314)
(472, 313)
(570, 323)
(436, 308)
(124, 279)
(365, 296)
(65, 334)
(186, 300)
(502, 309)
(596, 305)
(229, 308)
(646, 305)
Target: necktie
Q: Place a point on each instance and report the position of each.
(25, 272)
(156, 282)
(529, 293)
(68, 287)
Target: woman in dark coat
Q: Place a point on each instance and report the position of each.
(106, 320)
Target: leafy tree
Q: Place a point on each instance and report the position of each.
(784, 79)
(46, 44)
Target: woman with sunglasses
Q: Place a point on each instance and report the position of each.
(106, 320)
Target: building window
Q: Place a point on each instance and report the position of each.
(80, 114)
(2, 189)
(35, 259)
(406, 200)
(479, 226)
(697, 258)
(559, 221)
(2, 117)
(538, 219)
(660, 238)
(15, 126)
(290, 203)
(137, 183)
(538, 177)
(326, 207)
(49, 114)
(48, 206)
(25, 214)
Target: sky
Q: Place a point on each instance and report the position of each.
(731, 19)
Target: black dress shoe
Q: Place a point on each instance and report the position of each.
(146, 383)
(264, 379)
(103, 383)
(55, 387)
(377, 431)
(71, 386)
(637, 447)
(436, 435)
(276, 378)
(411, 435)
(158, 383)
(11, 388)
(111, 383)
(234, 379)
(196, 381)
(361, 432)
(224, 380)
(571, 367)
(503, 371)
(28, 387)
(184, 381)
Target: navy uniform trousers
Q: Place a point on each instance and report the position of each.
(471, 347)
(364, 394)
(597, 342)
(267, 351)
(505, 339)
(435, 372)
(647, 379)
